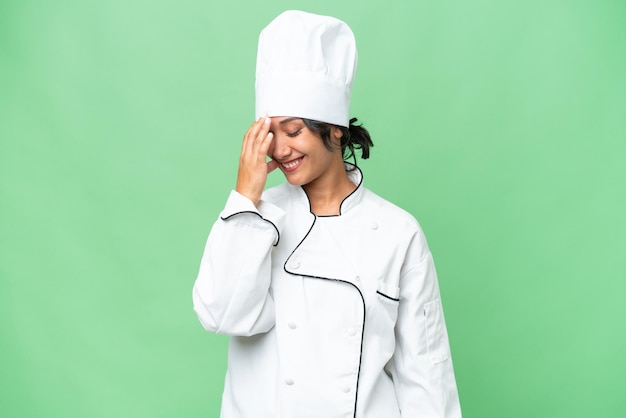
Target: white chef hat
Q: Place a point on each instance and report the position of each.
(305, 68)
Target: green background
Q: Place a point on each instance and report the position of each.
(499, 124)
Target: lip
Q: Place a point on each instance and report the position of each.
(291, 165)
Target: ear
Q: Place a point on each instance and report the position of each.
(336, 132)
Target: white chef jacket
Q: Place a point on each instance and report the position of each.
(330, 316)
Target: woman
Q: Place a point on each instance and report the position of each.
(328, 291)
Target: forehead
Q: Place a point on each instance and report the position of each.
(286, 119)
(282, 121)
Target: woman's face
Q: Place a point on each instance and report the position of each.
(301, 154)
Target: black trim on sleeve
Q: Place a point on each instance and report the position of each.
(259, 215)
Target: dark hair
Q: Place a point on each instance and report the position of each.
(353, 137)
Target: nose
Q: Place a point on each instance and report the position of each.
(279, 149)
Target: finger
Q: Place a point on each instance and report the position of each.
(271, 166)
(263, 140)
(263, 129)
(250, 136)
(264, 146)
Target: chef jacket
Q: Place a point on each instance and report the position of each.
(330, 316)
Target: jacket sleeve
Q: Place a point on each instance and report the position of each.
(231, 294)
(421, 366)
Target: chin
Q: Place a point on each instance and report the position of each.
(295, 180)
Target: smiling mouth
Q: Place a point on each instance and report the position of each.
(291, 165)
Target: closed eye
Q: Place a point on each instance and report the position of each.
(295, 133)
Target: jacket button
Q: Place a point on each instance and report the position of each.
(350, 332)
(357, 279)
(346, 389)
(374, 225)
(295, 265)
(289, 382)
(292, 325)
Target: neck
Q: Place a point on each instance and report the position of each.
(327, 194)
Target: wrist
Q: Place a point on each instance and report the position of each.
(253, 197)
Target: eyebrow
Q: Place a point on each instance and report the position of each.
(282, 122)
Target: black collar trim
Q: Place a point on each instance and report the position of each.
(349, 167)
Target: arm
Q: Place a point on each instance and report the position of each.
(421, 366)
(231, 293)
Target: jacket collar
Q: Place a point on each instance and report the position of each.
(354, 174)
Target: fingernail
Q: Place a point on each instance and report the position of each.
(267, 119)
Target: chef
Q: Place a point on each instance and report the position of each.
(328, 291)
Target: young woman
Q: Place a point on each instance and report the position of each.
(329, 292)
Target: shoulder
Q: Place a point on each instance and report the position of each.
(393, 221)
(282, 195)
(277, 192)
(387, 211)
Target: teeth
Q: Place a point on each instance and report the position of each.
(291, 164)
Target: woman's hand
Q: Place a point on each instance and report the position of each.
(253, 168)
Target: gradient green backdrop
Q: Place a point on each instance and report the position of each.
(499, 124)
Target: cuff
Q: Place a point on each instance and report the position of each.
(238, 204)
